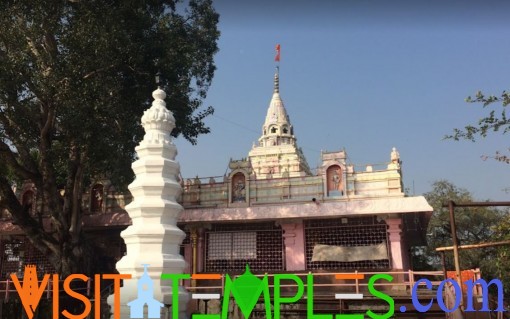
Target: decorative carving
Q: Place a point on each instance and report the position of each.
(334, 181)
(239, 164)
(239, 188)
(158, 116)
(395, 156)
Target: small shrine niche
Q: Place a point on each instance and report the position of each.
(334, 180)
(238, 181)
(96, 198)
(238, 188)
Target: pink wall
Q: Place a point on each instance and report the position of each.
(294, 246)
(398, 254)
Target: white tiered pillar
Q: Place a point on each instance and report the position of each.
(154, 238)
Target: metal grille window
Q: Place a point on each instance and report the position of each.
(230, 247)
(18, 252)
(356, 237)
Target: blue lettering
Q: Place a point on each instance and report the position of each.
(440, 296)
(485, 294)
(414, 296)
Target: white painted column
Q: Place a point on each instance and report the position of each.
(154, 238)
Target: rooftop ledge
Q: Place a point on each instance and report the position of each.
(309, 210)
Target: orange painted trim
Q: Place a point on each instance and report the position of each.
(349, 276)
(205, 276)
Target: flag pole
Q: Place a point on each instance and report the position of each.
(277, 59)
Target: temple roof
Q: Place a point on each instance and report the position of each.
(277, 154)
(276, 113)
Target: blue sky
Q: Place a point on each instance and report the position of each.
(364, 76)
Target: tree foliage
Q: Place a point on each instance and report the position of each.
(498, 262)
(75, 77)
(474, 225)
(496, 121)
(502, 261)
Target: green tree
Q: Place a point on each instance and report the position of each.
(502, 261)
(75, 77)
(474, 225)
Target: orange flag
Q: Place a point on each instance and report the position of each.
(277, 57)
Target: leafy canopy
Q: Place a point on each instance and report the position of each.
(75, 77)
(90, 64)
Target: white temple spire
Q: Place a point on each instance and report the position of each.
(153, 238)
(278, 139)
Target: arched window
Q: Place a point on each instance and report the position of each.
(273, 130)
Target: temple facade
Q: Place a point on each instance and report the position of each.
(271, 212)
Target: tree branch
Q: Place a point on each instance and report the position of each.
(88, 75)
(8, 157)
(27, 161)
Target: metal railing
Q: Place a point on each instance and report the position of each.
(403, 285)
(8, 290)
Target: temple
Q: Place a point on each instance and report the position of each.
(271, 212)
